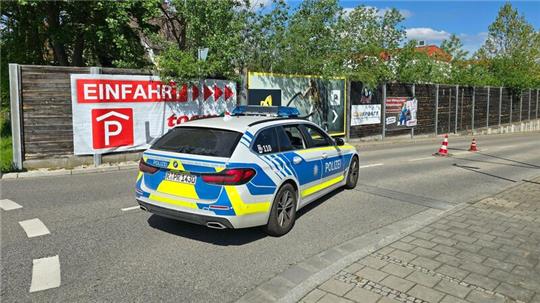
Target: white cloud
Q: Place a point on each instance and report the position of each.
(426, 34)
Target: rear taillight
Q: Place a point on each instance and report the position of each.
(145, 168)
(235, 176)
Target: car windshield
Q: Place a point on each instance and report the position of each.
(199, 141)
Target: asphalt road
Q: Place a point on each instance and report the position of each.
(110, 254)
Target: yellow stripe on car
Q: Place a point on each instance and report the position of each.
(167, 200)
(139, 176)
(240, 207)
(178, 189)
(318, 187)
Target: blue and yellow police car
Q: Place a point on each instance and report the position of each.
(257, 167)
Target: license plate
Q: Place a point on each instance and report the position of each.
(182, 178)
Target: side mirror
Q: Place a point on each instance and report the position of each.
(340, 142)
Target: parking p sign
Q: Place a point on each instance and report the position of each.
(112, 127)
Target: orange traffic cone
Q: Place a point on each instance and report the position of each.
(443, 150)
(473, 147)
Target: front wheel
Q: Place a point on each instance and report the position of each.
(352, 176)
(283, 212)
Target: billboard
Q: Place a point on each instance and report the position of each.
(401, 112)
(264, 97)
(366, 107)
(321, 100)
(113, 113)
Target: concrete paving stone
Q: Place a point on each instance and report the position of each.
(446, 249)
(372, 262)
(505, 241)
(423, 243)
(453, 272)
(523, 261)
(358, 294)
(501, 234)
(422, 278)
(482, 281)
(371, 274)
(426, 263)
(493, 253)
(448, 259)
(313, 296)
(402, 246)
(276, 287)
(296, 274)
(513, 250)
(467, 246)
(526, 271)
(256, 296)
(475, 267)
(336, 287)
(469, 256)
(331, 298)
(385, 250)
(514, 292)
(426, 229)
(397, 270)
(455, 223)
(424, 293)
(444, 240)
(397, 283)
(486, 243)
(536, 298)
(460, 231)
(504, 276)
(476, 296)
(480, 229)
(499, 264)
(331, 255)
(483, 236)
(423, 235)
(452, 288)
(442, 233)
(452, 299)
(316, 263)
(402, 255)
(387, 300)
(466, 239)
(407, 239)
(425, 252)
(354, 267)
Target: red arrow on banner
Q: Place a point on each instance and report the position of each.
(217, 92)
(182, 97)
(228, 92)
(207, 92)
(194, 92)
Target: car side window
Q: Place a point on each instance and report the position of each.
(293, 135)
(317, 137)
(266, 142)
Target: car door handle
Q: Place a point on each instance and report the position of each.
(324, 156)
(296, 160)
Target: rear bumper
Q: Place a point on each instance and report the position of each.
(184, 216)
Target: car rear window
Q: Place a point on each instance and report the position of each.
(199, 141)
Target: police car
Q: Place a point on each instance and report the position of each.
(257, 167)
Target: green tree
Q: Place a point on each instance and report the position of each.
(454, 47)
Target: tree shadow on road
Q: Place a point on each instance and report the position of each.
(224, 237)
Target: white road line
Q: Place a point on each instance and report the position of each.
(34, 228)
(7, 204)
(420, 159)
(45, 273)
(371, 165)
(130, 208)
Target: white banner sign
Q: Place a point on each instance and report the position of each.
(366, 114)
(122, 112)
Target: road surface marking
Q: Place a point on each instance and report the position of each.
(7, 204)
(371, 165)
(45, 273)
(34, 228)
(131, 208)
(420, 159)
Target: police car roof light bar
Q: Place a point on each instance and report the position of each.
(274, 111)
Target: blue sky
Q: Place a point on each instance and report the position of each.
(433, 21)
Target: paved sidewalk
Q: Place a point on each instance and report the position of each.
(488, 251)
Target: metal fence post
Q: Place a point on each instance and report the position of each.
(473, 105)
(16, 115)
(97, 156)
(348, 109)
(487, 109)
(536, 103)
(436, 109)
(511, 106)
(457, 109)
(384, 111)
(529, 116)
(520, 104)
(414, 96)
(500, 105)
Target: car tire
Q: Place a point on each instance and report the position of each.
(283, 212)
(352, 175)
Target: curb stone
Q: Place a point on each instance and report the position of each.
(75, 171)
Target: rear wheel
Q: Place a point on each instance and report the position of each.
(283, 212)
(352, 176)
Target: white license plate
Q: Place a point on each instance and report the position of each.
(182, 178)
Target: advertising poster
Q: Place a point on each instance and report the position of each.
(122, 112)
(366, 108)
(320, 100)
(264, 97)
(401, 112)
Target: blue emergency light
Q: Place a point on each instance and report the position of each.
(273, 111)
